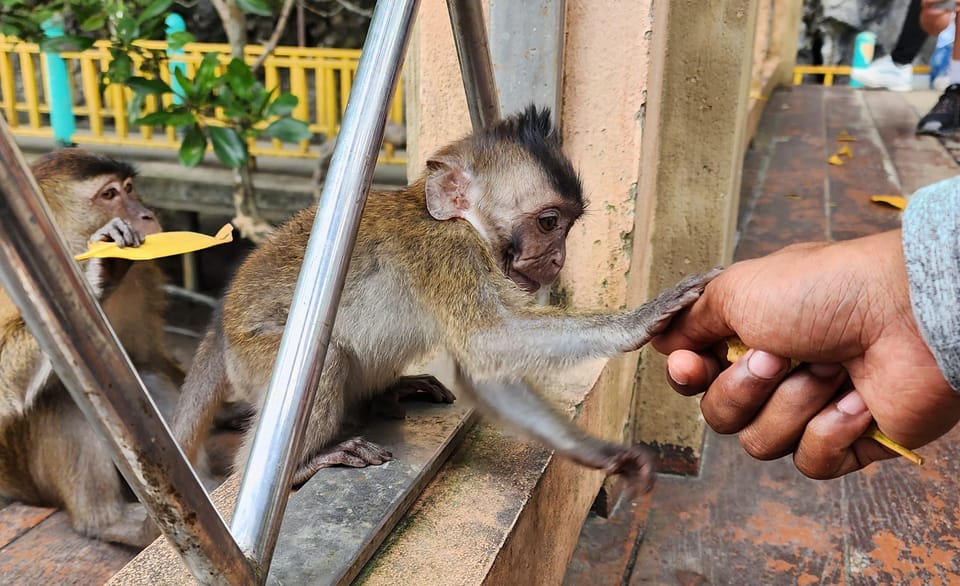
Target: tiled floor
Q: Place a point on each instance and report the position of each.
(748, 522)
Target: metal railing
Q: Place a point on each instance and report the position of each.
(63, 314)
(831, 72)
(321, 77)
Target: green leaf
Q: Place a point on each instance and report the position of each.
(289, 130)
(118, 70)
(143, 85)
(193, 146)
(135, 106)
(177, 40)
(175, 119)
(228, 146)
(128, 30)
(240, 78)
(94, 23)
(203, 80)
(155, 9)
(65, 43)
(258, 7)
(283, 105)
(186, 84)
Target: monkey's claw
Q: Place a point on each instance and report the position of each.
(355, 452)
(119, 231)
(677, 298)
(638, 465)
(421, 386)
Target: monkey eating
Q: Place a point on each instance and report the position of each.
(49, 454)
(447, 263)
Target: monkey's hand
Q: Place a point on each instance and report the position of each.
(104, 274)
(637, 464)
(421, 386)
(654, 316)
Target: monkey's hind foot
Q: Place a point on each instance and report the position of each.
(417, 387)
(355, 452)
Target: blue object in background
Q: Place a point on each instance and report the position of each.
(58, 88)
(176, 24)
(863, 48)
(940, 60)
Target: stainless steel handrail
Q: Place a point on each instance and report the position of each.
(476, 66)
(273, 457)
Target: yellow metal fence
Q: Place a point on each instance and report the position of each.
(830, 72)
(320, 77)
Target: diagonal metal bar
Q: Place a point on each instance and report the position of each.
(476, 66)
(68, 323)
(273, 457)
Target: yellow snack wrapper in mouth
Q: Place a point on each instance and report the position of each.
(159, 245)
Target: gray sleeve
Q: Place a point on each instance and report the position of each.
(931, 247)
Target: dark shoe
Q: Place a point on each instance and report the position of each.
(944, 118)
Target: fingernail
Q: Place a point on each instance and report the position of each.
(764, 365)
(824, 370)
(852, 404)
(674, 377)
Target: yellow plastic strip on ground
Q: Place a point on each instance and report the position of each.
(897, 201)
(159, 245)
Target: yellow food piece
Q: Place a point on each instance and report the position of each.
(845, 150)
(835, 160)
(736, 349)
(159, 245)
(845, 136)
(897, 201)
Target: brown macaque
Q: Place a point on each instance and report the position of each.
(448, 263)
(49, 454)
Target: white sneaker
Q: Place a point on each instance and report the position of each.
(883, 73)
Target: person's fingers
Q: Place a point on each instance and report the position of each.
(778, 427)
(690, 373)
(832, 445)
(741, 390)
(702, 324)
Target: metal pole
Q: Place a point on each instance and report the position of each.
(57, 305)
(476, 67)
(276, 446)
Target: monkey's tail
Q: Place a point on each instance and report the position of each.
(204, 389)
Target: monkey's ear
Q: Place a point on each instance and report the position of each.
(447, 188)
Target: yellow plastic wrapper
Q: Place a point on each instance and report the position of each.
(159, 245)
(736, 349)
(845, 136)
(845, 151)
(897, 201)
(835, 160)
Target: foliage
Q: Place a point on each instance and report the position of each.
(217, 105)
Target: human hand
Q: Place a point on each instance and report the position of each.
(844, 310)
(935, 15)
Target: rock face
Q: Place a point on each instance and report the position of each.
(829, 28)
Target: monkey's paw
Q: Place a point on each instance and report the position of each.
(355, 452)
(637, 464)
(421, 386)
(677, 298)
(119, 231)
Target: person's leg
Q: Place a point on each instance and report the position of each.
(944, 118)
(895, 71)
(912, 36)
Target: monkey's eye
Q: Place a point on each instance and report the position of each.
(548, 222)
(109, 193)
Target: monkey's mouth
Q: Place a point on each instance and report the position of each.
(523, 281)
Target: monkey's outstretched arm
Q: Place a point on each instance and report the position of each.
(542, 339)
(516, 404)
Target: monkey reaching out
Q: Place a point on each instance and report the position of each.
(49, 454)
(446, 263)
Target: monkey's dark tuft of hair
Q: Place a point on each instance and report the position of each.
(533, 130)
(76, 164)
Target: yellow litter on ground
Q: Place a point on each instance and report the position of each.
(835, 160)
(159, 245)
(845, 150)
(897, 201)
(845, 136)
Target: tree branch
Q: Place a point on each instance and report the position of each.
(271, 43)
